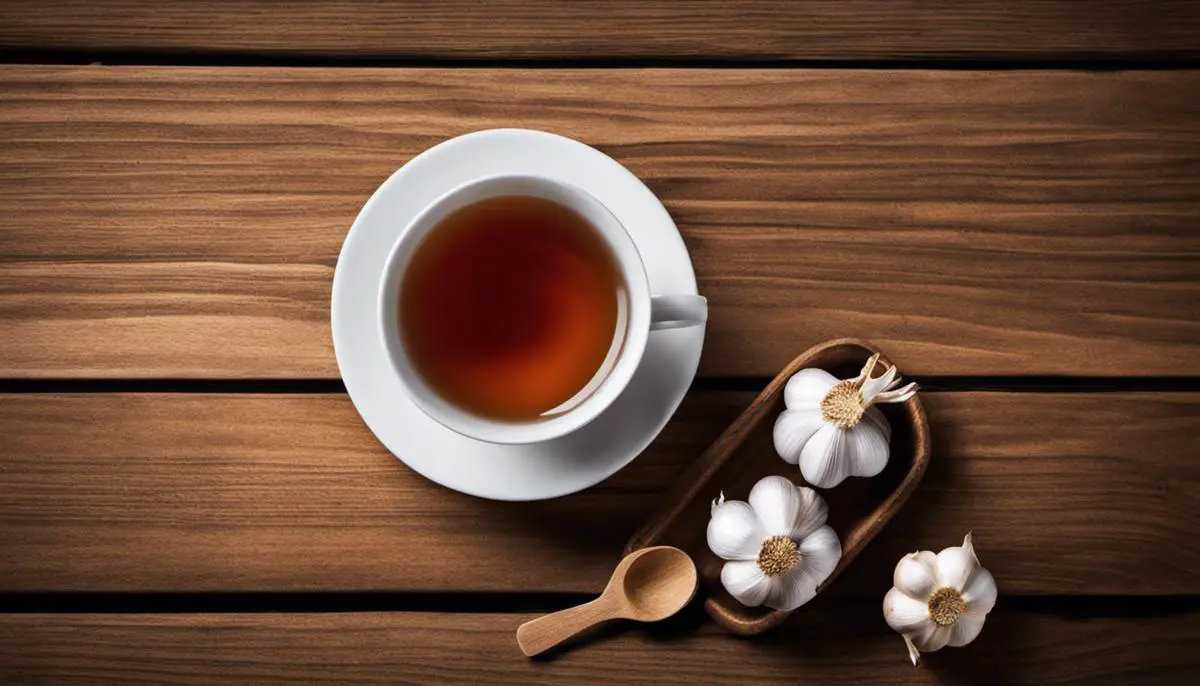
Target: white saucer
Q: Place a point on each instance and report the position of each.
(510, 472)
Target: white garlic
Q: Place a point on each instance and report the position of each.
(831, 427)
(939, 600)
(778, 547)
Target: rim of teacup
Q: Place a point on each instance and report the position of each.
(625, 355)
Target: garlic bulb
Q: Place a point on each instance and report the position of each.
(777, 546)
(831, 427)
(939, 600)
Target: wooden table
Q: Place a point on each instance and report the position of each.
(1004, 194)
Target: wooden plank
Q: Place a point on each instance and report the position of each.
(835, 643)
(1072, 493)
(185, 222)
(543, 29)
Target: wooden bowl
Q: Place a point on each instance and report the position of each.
(858, 507)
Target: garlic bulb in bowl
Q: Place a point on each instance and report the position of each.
(777, 547)
(939, 600)
(831, 427)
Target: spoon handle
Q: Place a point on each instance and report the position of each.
(541, 634)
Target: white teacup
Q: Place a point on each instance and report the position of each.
(645, 312)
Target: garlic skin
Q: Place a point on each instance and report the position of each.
(777, 546)
(939, 600)
(831, 427)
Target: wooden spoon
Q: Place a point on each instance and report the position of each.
(648, 585)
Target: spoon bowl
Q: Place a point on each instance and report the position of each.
(658, 583)
(648, 585)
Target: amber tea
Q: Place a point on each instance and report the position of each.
(512, 308)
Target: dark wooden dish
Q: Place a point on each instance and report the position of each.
(858, 507)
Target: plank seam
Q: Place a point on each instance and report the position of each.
(59, 602)
(939, 384)
(1081, 62)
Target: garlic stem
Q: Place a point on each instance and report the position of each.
(718, 501)
(898, 395)
(846, 402)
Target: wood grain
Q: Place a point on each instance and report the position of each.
(1066, 493)
(832, 643)
(661, 29)
(185, 222)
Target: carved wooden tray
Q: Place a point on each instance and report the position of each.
(858, 507)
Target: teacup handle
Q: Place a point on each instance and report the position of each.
(677, 311)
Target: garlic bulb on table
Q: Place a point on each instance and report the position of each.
(939, 600)
(831, 427)
(778, 547)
